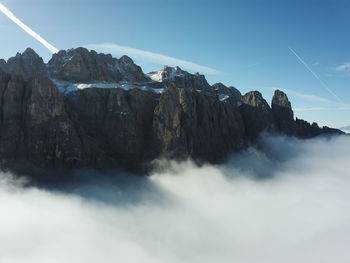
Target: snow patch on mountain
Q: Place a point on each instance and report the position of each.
(68, 87)
(223, 97)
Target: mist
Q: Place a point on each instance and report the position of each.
(284, 200)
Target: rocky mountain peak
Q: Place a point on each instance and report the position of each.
(176, 77)
(255, 99)
(82, 65)
(257, 114)
(26, 64)
(30, 54)
(225, 93)
(90, 110)
(282, 109)
(126, 60)
(167, 73)
(281, 99)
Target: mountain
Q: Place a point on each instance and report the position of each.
(88, 110)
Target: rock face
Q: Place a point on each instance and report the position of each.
(306, 130)
(176, 77)
(35, 127)
(257, 114)
(120, 121)
(26, 64)
(3, 65)
(283, 113)
(129, 119)
(228, 93)
(189, 123)
(81, 65)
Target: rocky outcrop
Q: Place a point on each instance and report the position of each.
(120, 121)
(190, 123)
(170, 113)
(257, 115)
(34, 125)
(283, 113)
(82, 65)
(306, 130)
(26, 64)
(176, 77)
(284, 117)
(228, 93)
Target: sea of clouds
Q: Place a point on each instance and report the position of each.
(283, 201)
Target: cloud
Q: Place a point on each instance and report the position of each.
(152, 57)
(287, 202)
(28, 30)
(345, 67)
(324, 85)
(309, 97)
(346, 108)
(312, 109)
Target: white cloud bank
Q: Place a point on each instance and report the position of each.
(152, 57)
(27, 29)
(190, 214)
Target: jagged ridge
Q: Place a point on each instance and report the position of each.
(85, 109)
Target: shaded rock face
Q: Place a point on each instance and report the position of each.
(306, 130)
(81, 65)
(26, 64)
(257, 115)
(44, 127)
(35, 127)
(228, 93)
(120, 121)
(189, 123)
(3, 65)
(283, 113)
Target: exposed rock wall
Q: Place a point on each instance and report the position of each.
(190, 123)
(283, 113)
(125, 128)
(257, 115)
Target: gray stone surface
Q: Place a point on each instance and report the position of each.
(126, 128)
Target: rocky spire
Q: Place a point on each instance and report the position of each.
(257, 114)
(283, 113)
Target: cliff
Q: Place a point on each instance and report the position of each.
(88, 110)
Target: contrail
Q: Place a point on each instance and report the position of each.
(316, 76)
(11, 16)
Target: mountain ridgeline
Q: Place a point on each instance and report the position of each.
(88, 110)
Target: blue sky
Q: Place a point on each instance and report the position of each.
(239, 43)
